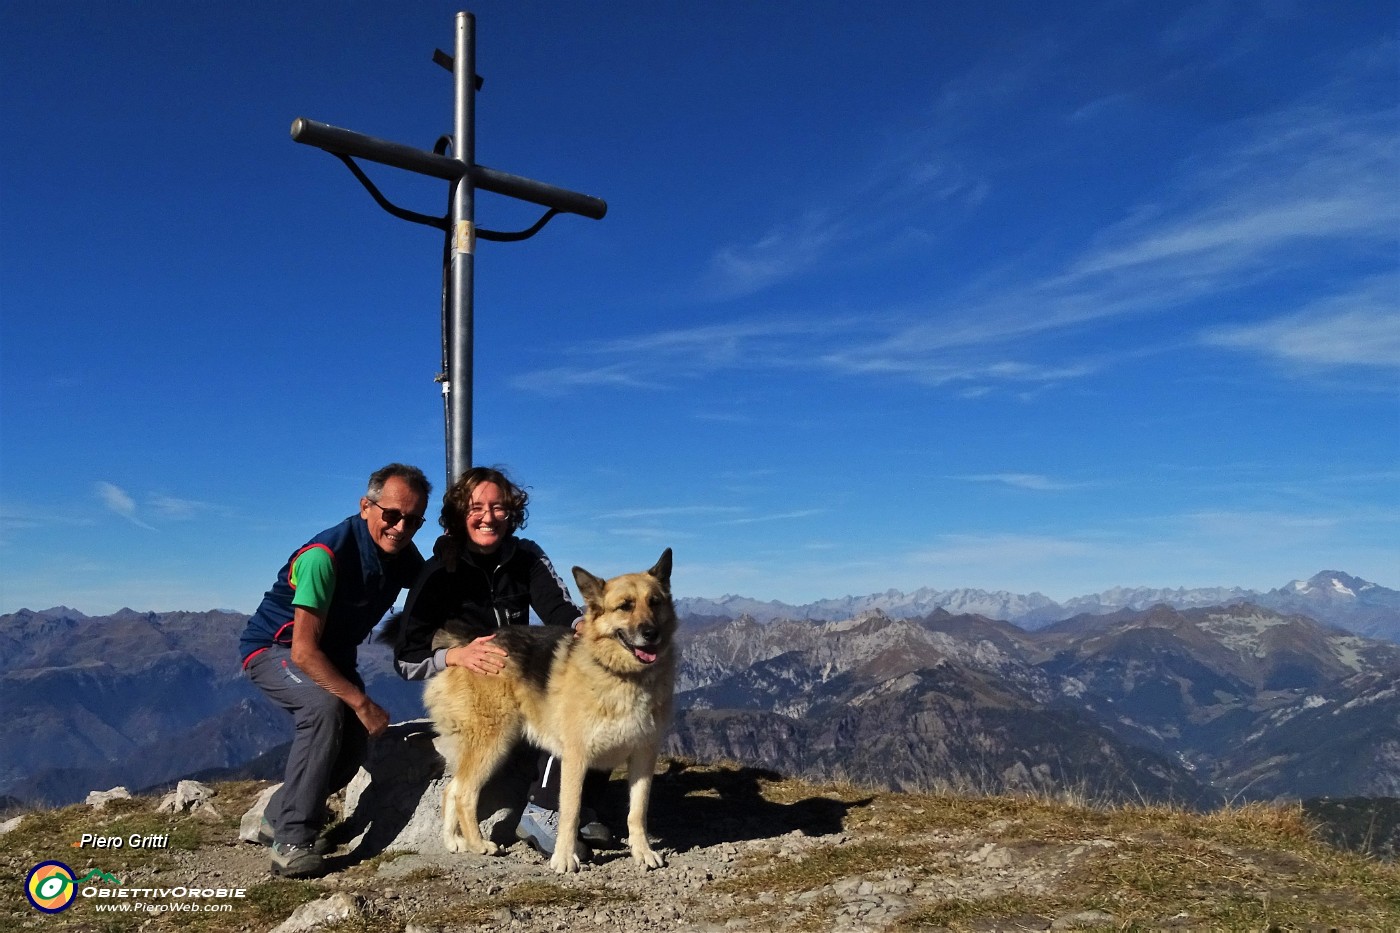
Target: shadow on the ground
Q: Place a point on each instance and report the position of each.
(694, 806)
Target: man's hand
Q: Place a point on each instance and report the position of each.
(373, 717)
(480, 655)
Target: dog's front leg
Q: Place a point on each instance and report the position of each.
(640, 768)
(567, 848)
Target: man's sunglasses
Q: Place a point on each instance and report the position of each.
(393, 516)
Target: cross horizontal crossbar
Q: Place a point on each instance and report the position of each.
(340, 141)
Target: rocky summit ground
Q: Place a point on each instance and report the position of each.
(746, 850)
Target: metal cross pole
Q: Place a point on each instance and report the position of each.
(459, 225)
(461, 257)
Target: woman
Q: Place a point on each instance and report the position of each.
(488, 578)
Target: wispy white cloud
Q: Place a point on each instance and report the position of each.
(1309, 185)
(18, 518)
(176, 509)
(774, 517)
(637, 533)
(1093, 109)
(710, 511)
(976, 556)
(560, 380)
(874, 345)
(716, 514)
(1253, 523)
(726, 417)
(779, 254)
(908, 191)
(119, 502)
(914, 354)
(1300, 179)
(917, 187)
(1200, 547)
(1032, 481)
(1361, 328)
(665, 359)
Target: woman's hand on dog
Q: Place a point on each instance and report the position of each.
(480, 655)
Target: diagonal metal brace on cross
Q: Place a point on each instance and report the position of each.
(459, 225)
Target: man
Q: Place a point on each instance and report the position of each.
(301, 645)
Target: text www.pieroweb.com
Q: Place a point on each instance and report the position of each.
(123, 907)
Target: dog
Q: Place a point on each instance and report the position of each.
(596, 698)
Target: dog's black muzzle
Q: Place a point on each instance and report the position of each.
(647, 646)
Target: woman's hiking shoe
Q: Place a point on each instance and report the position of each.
(289, 861)
(540, 828)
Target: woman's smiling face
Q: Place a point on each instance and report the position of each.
(488, 518)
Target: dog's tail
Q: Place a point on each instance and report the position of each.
(454, 633)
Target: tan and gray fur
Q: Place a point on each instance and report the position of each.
(596, 698)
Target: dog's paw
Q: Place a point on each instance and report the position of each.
(565, 863)
(462, 846)
(648, 858)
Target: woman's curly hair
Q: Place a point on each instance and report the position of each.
(458, 498)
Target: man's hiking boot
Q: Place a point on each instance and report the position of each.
(540, 828)
(322, 845)
(289, 861)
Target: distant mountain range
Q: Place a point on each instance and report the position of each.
(925, 690)
(1195, 706)
(1330, 596)
(138, 698)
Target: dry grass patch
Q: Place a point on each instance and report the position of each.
(1257, 866)
(1003, 911)
(1027, 818)
(516, 901)
(826, 865)
(1212, 871)
(269, 904)
(764, 890)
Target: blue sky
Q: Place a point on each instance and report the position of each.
(1010, 295)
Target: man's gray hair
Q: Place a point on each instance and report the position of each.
(409, 474)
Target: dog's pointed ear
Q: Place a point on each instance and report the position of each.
(589, 586)
(662, 570)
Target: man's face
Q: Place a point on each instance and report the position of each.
(398, 501)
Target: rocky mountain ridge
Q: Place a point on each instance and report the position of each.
(1330, 596)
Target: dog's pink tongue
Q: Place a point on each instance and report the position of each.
(646, 657)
